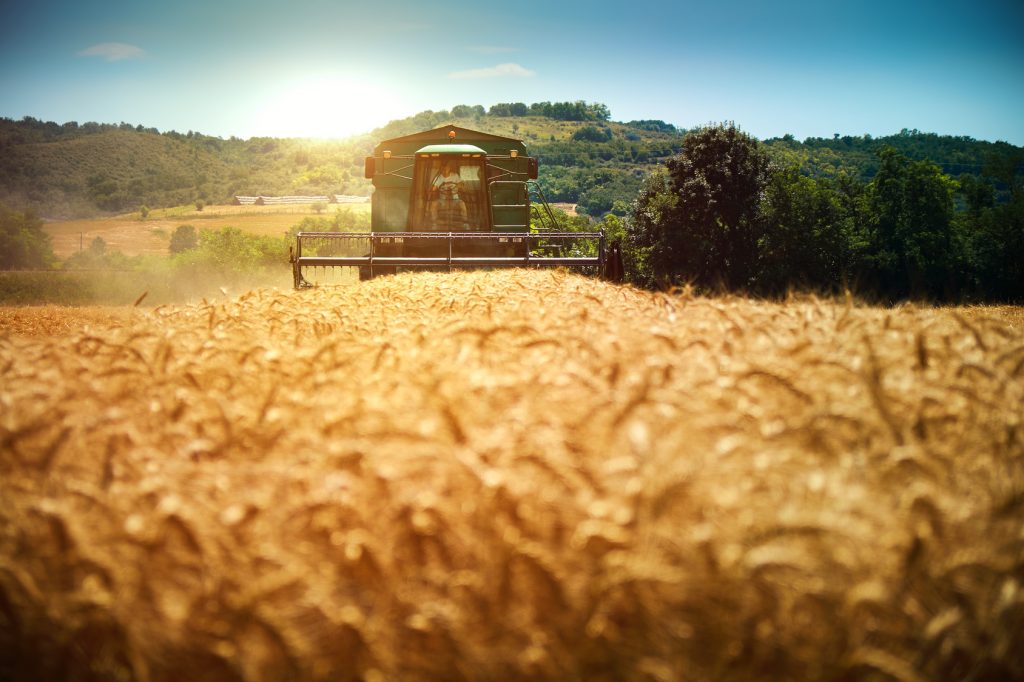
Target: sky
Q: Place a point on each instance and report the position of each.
(315, 68)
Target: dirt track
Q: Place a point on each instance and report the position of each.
(513, 475)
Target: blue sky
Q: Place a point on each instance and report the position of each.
(331, 69)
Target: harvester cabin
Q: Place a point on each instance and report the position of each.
(450, 179)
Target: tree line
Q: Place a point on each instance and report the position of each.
(597, 164)
(721, 215)
(909, 215)
(559, 111)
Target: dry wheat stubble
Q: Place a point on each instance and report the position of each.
(512, 475)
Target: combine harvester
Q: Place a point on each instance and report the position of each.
(452, 198)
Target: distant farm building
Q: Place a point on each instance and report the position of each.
(323, 199)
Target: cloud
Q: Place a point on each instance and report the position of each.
(491, 49)
(113, 52)
(494, 72)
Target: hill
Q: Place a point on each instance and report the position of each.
(86, 170)
(858, 155)
(71, 170)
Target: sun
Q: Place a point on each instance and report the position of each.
(325, 106)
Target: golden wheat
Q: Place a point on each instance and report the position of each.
(513, 475)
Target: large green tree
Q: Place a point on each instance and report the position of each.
(23, 244)
(1000, 251)
(807, 238)
(912, 238)
(995, 229)
(700, 221)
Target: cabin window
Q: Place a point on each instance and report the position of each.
(449, 195)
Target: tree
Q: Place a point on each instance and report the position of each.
(463, 111)
(604, 187)
(590, 133)
(654, 125)
(23, 244)
(98, 257)
(599, 112)
(231, 249)
(648, 250)
(994, 230)
(912, 209)
(805, 243)
(183, 239)
(700, 220)
(999, 244)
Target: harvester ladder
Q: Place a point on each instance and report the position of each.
(544, 203)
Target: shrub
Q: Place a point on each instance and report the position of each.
(592, 134)
(230, 249)
(23, 244)
(342, 220)
(99, 257)
(183, 239)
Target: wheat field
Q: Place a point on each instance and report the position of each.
(511, 475)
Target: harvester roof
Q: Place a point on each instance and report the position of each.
(493, 145)
(444, 131)
(451, 150)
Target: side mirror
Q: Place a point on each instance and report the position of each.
(369, 169)
(531, 169)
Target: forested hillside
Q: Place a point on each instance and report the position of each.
(73, 170)
(859, 156)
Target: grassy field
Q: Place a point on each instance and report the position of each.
(133, 236)
(511, 475)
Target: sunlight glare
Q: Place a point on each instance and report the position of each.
(326, 107)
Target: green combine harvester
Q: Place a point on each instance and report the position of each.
(452, 198)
